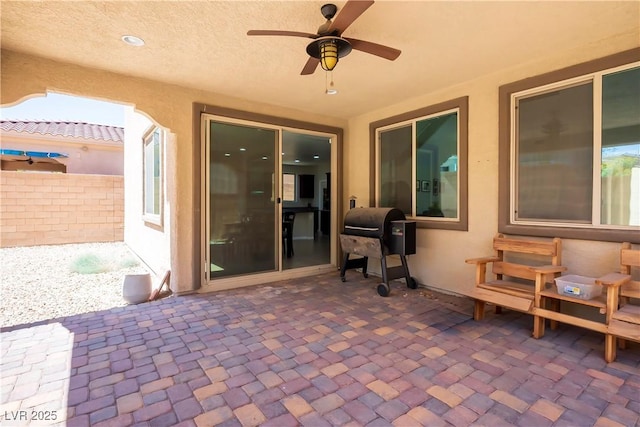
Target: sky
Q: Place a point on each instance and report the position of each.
(58, 107)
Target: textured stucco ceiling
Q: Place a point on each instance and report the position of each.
(203, 44)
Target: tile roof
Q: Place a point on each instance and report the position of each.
(71, 129)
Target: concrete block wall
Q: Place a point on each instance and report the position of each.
(54, 208)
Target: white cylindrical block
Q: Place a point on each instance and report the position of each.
(136, 288)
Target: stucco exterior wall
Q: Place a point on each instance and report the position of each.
(440, 258)
(151, 242)
(170, 106)
(441, 254)
(56, 208)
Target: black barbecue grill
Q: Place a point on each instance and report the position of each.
(378, 233)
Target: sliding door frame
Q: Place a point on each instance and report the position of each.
(199, 196)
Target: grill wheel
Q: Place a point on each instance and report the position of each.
(383, 290)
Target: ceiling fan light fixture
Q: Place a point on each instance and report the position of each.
(328, 50)
(328, 55)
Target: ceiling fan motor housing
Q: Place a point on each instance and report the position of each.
(329, 10)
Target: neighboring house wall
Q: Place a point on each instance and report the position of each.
(91, 148)
(439, 261)
(55, 208)
(151, 242)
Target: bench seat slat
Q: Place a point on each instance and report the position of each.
(623, 329)
(628, 313)
(518, 303)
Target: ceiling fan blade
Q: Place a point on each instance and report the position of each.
(376, 49)
(349, 13)
(310, 66)
(281, 33)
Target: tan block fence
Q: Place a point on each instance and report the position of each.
(55, 208)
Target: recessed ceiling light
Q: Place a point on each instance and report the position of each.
(227, 154)
(297, 160)
(243, 149)
(133, 40)
(331, 91)
(264, 157)
(316, 157)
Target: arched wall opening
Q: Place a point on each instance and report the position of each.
(171, 106)
(107, 154)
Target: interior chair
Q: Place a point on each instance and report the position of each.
(287, 233)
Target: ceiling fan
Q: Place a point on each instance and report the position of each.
(328, 45)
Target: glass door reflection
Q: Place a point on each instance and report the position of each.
(242, 203)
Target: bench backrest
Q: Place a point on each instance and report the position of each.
(629, 260)
(531, 252)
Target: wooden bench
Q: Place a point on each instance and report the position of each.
(518, 280)
(622, 317)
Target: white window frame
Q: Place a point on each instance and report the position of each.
(155, 218)
(414, 154)
(505, 223)
(459, 105)
(595, 79)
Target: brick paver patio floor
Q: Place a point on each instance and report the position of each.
(312, 352)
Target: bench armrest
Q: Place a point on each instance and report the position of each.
(548, 269)
(613, 279)
(483, 260)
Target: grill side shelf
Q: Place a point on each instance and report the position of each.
(363, 246)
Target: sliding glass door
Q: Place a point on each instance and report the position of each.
(243, 214)
(268, 204)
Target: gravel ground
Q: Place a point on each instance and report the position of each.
(39, 282)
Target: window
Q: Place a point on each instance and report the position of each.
(573, 157)
(420, 164)
(152, 176)
(554, 147)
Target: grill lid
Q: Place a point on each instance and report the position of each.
(371, 222)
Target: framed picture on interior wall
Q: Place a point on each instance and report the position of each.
(436, 187)
(425, 186)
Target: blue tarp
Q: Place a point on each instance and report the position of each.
(37, 154)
